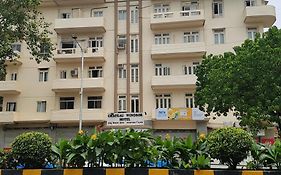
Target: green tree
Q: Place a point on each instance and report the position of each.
(247, 81)
(22, 22)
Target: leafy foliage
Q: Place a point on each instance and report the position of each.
(22, 22)
(229, 145)
(247, 81)
(7, 160)
(32, 149)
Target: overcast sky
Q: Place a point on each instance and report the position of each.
(277, 4)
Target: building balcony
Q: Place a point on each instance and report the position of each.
(173, 51)
(74, 55)
(73, 85)
(264, 14)
(79, 25)
(72, 115)
(174, 82)
(9, 87)
(7, 117)
(175, 20)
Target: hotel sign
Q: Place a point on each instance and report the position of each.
(179, 114)
(125, 119)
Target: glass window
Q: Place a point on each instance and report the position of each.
(189, 100)
(135, 103)
(134, 73)
(252, 33)
(163, 101)
(96, 42)
(122, 73)
(94, 102)
(163, 38)
(191, 37)
(14, 76)
(41, 106)
(1, 104)
(161, 70)
(66, 102)
(63, 74)
(122, 14)
(161, 8)
(217, 8)
(134, 43)
(122, 106)
(134, 15)
(11, 106)
(65, 15)
(43, 74)
(95, 72)
(190, 70)
(97, 13)
(219, 36)
(249, 3)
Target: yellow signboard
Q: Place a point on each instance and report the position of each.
(180, 114)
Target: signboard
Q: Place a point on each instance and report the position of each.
(125, 119)
(179, 114)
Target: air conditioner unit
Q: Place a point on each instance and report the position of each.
(121, 44)
(94, 50)
(74, 72)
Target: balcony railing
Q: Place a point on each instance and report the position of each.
(179, 19)
(91, 54)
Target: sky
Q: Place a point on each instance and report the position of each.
(277, 4)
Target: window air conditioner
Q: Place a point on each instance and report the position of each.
(74, 72)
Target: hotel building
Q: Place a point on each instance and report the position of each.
(139, 55)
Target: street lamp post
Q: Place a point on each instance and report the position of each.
(81, 82)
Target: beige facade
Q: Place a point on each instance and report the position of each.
(139, 56)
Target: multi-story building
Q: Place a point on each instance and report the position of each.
(139, 56)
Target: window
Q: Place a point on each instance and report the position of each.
(163, 101)
(163, 38)
(11, 106)
(96, 42)
(190, 70)
(161, 8)
(44, 49)
(135, 103)
(16, 47)
(161, 70)
(191, 37)
(65, 15)
(134, 43)
(95, 72)
(122, 14)
(122, 73)
(252, 33)
(189, 100)
(94, 102)
(217, 8)
(43, 74)
(193, 5)
(249, 3)
(96, 13)
(63, 74)
(134, 16)
(66, 102)
(219, 36)
(134, 73)
(41, 106)
(14, 76)
(122, 106)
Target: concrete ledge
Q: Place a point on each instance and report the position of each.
(135, 171)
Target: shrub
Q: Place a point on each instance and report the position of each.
(229, 145)
(32, 149)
